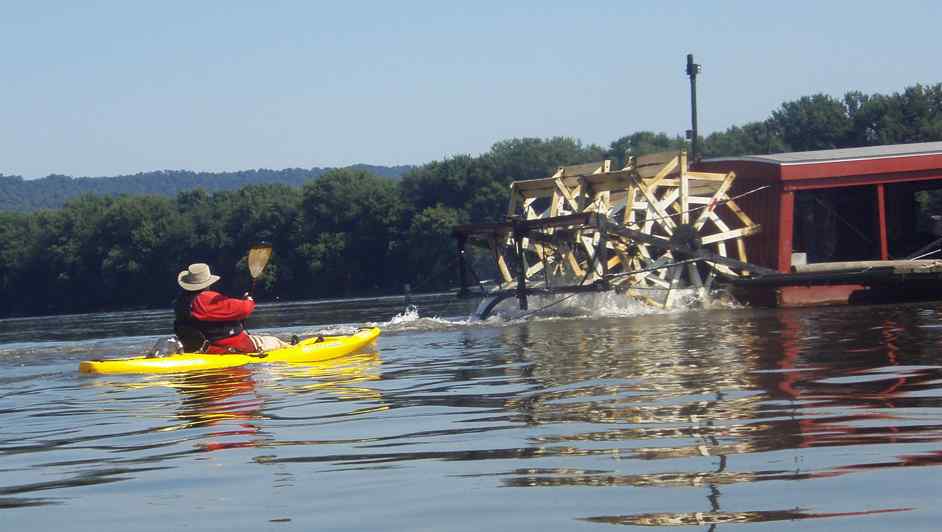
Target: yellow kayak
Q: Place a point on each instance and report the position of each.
(313, 349)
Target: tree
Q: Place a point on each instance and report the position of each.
(643, 143)
(432, 250)
(17, 234)
(450, 182)
(816, 122)
(480, 186)
(752, 138)
(138, 238)
(359, 214)
(533, 158)
(913, 116)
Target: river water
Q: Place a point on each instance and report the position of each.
(723, 419)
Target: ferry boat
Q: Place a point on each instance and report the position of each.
(856, 225)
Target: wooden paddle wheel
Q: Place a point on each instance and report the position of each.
(654, 231)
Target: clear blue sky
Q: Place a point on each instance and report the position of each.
(113, 87)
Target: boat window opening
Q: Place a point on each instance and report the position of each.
(914, 217)
(832, 225)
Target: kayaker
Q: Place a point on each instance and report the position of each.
(213, 321)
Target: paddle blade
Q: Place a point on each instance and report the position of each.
(258, 259)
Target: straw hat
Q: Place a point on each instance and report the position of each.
(196, 277)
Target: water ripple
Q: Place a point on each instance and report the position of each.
(701, 418)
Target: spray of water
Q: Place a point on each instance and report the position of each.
(541, 308)
(598, 305)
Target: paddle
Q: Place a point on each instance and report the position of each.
(258, 259)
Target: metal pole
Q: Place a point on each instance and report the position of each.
(462, 267)
(692, 70)
(518, 235)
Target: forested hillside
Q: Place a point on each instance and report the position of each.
(351, 232)
(51, 192)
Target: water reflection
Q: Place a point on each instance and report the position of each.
(85, 478)
(215, 411)
(231, 397)
(343, 378)
(715, 518)
(698, 419)
(741, 392)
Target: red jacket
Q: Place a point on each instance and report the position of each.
(213, 306)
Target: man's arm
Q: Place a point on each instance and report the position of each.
(213, 306)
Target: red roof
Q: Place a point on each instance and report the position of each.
(835, 168)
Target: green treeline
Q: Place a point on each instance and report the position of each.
(819, 122)
(350, 232)
(51, 192)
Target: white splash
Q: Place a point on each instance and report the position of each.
(595, 305)
(541, 308)
(411, 320)
(410, 314)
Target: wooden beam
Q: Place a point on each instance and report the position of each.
(530, 214)
(671, 290)
(729, 235)
(528, 208)
(582, 194)
(629, 217)
(501, 263)
(664, 172)
(706, 176)
(649, 165)
(599, 182)
(570, 257)
(741, 248)
(555, 203)
(741, 214)
(567, 194)
(721, 245)
(589, 245)
(533, 270)
(693, 273)
(666, 220)
(714, 201)
(583, 169)
(881, 214)
(670, 200)
(512, 208)
(600, 203)
(785, 229)
(654, 276)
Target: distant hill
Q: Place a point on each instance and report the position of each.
(26, 195)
